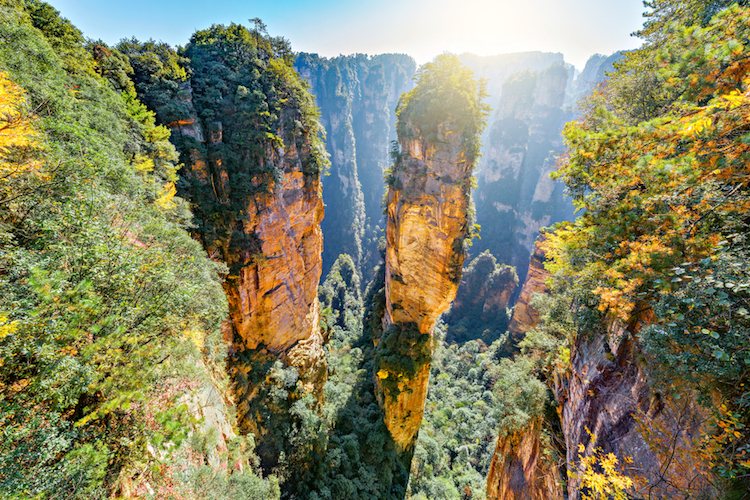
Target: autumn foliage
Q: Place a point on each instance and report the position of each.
(663, 225)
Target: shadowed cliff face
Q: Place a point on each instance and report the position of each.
(357, 98)
(515, 196)
(520, 470)
(607, 402)
(253, 163)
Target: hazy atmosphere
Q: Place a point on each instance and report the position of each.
(419, 28)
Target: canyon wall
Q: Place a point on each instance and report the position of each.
(525, 317)
(520, 470)
(606, 403)
(252, 171)
(357, 97)
(515, 196)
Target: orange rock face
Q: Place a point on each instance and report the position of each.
(272, 247)
(524, 316)
(274, 299)
(519, 470)
(427, 221)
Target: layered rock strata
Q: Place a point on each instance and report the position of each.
(520, 469)
(269, 237)
(608, 405)
(525, 317)
(426, 224)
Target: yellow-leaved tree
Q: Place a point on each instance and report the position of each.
(17, 138)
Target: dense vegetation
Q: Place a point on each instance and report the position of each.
(110, 312)
(472, 397)
(480, 310)
(446, 95)
(359, 459)
(109, 309)
(475, 393)
(664, 188)
(237, 87)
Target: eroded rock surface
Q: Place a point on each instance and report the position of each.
(268, 234)
(525, 317)
(426, 225)
(607, 405)
(521, 471)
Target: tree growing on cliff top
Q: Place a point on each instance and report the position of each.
(446, 92)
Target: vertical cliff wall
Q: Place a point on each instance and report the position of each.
(525, 317)
(357, 97)
(607, 404)
(428, 219)
(253, 154)
(519, 469)
(515, 196)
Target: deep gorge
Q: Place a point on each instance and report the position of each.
(230, 270)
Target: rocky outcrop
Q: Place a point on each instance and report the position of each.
(525, 317)
(427, 220)
(273, 253)
(480, 309)
(255, 189)
(273, 256)
(521, 470)
(522, 467)
(357, 97)
(426, 224)
(607, 405)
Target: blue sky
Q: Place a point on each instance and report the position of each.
(420, 28)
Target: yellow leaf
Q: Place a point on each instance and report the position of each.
(6, 327)
(696, 127)
(165, 200)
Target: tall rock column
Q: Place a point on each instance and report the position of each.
(253, 156)
(427, 222)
